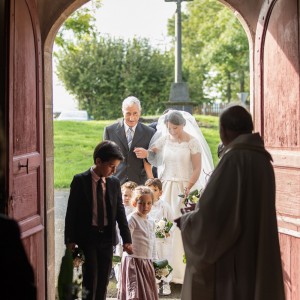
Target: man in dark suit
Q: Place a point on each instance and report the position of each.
(17, 280)
(94, 207)
(128, 134)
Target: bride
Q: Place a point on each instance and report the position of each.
(184, 161)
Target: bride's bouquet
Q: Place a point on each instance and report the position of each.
(192, 198)
(163, 228)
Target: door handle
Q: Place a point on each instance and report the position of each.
(24, 166)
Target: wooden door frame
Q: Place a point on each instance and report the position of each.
(4, 20)
(48, 125)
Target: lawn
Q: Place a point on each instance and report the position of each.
(74, 143)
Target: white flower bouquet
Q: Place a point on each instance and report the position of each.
(78, 257)
(163, 228)
(162, 269)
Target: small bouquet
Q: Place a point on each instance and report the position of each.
(78, 257)
(163, 228)
(162, 269)
(70, 275)
(192, 198)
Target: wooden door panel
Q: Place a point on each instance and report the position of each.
(276, 116)
(281, 104)
(26, 192)
(288, 191)
(25, 73)
(285, 248)
(25, 196)
(295, 262)
(26, 202)
(277, 103)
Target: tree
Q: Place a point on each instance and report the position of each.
(78, 25)
(100, 72)
(92, 72)
(147, 74)
(215, 51)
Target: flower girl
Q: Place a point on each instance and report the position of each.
(138, 276)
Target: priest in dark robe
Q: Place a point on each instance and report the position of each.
(231, 238)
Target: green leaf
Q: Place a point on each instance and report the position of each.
(65, 277)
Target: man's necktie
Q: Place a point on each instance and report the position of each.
(100, 206)
(129, 136)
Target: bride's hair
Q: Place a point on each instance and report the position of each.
(175, 117)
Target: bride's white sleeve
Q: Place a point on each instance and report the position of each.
(206, 160)
(194, 146)
(155, 158)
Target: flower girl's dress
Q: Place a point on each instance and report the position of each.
(138, 277)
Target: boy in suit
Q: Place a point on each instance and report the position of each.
(129, 133)
(94, 207)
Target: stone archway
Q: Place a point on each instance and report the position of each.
(49, 144)
(48, 121)
(251, 36)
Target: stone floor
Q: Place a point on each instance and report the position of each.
(61, 200)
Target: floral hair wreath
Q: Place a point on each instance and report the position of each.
(140, 191)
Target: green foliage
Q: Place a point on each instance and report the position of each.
(100, 72)
(80, 24)
(210, 128)
(215, 52)
(147, 73)
(74, 144)
(92, 73)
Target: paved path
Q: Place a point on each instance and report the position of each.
(60, 202)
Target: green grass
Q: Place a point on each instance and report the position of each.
(210, 128)
(74, 143)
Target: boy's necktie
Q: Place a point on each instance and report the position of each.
(100, 205)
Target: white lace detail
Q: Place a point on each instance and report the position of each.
(194, 146)
(160, 142)
(173, 159)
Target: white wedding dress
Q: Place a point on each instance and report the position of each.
(175, 172)
(174, 167)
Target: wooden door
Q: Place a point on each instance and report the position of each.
(3, 66)
(25, 133)
(277, 117)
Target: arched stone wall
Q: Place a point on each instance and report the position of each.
(48, 135)
(251, 38)
(247, 11)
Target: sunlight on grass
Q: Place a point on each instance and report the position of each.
(74, 143)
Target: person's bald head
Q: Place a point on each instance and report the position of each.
(234, 121)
